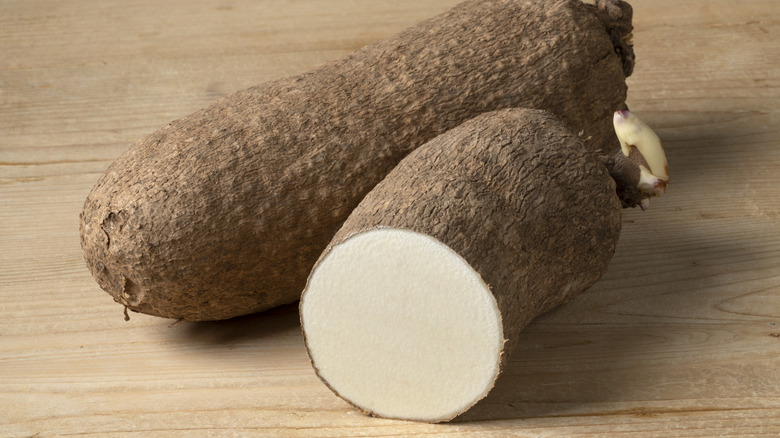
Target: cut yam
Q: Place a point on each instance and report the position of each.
(415, 305)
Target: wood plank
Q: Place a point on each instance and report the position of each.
(680, 338)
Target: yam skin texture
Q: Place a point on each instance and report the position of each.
(519, 198)
(224, 212)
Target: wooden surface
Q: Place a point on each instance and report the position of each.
(681, 338)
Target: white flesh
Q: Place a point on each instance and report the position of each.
(401, 326)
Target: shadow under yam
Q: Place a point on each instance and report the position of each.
(256, 326)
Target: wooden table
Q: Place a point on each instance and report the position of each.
(680, 338)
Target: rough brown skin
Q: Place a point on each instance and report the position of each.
(518, 196)
(224, 212)
(625, 171)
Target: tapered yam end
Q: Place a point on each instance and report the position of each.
(401, 326)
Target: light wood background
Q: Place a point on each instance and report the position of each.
(681, 338)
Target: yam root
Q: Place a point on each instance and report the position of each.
(413, 308)
(224, 212)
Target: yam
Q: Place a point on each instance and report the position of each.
(225, 211)
(415, 305)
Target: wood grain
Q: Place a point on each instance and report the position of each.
(681, 337)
